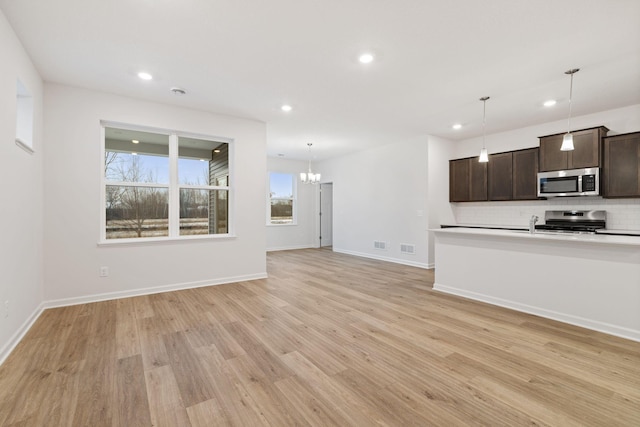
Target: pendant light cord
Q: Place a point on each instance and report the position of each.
(484, 120)
(571, 73)
(570, 104)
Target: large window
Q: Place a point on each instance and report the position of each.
(164, 185)
(282, 209)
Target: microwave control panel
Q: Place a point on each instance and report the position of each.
(588, 183)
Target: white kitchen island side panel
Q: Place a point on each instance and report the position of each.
(585, 281)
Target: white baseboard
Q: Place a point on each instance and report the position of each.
(148, 291)
(382, 258)
(290, 248)
(607, 328)
(20, 333)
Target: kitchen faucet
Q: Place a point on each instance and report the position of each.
(532, 223)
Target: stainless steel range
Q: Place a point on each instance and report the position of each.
(573, 221)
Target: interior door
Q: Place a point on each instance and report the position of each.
(326, 215)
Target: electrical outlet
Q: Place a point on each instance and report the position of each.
(104, 271)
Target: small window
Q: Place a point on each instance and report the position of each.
(282, 200)
(24, 117)
(164, 185)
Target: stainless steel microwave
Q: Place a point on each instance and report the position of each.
(573, 182)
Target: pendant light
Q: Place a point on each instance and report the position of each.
(567, 140)
(484, 157)
(309, 177)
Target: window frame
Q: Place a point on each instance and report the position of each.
(173, 187)
(294, 200)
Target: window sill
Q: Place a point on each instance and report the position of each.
(26, 147)
(164, 240)
(282, 225)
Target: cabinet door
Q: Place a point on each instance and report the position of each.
(500, 174)
(525, 174)
(478, 182)
(621, 168)
(459, 175)
(551, 157)
(586, 151)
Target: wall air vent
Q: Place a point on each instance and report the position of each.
(380, 245)
(407, 249)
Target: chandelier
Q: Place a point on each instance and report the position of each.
(309, 177)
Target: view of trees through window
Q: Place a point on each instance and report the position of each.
(281, 198)
(139, 190)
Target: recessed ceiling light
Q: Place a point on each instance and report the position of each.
(134, 154)
(286, 108)
(365, 58)
(457, 126)
(202, 160)
(144, 75)
(217, 150)
(135, 141)
(549, 103)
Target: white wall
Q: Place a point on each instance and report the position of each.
(302, 234)
(381, 195)
(440, 211)
(620, 120)
(21, 206)
(72, 205)
(621, 213)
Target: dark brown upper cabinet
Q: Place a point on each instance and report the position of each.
(621, 166)
(525, 174)
(467, 180)
(587, 148)
(507, 176)
(500, 176)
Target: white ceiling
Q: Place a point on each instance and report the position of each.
(434, 59)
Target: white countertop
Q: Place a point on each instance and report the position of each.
(493, 226)
(623, 232)
(541, 235)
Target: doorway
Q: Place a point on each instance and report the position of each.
(326, 215)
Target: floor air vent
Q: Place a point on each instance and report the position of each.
(380, 245)
(407, 249)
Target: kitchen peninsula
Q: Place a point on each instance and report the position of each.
(590, 280)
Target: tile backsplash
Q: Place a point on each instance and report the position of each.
(622, 214)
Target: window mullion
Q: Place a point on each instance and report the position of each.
(174, 189)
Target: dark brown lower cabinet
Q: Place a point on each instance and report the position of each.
(621, 168)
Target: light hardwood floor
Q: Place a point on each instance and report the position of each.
(328, 339)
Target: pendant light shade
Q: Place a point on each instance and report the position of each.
(567, 140)
(484, 157)
(309, 177)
